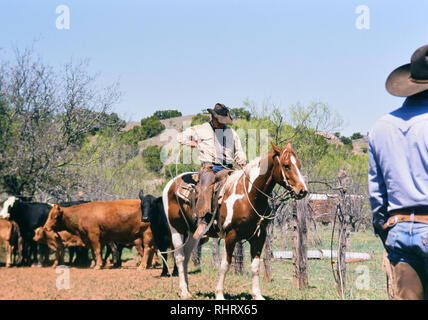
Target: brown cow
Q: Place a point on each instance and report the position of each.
(11, 238)
(145, 249)
(57, 242)
(100, 222)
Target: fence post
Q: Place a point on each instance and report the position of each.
(300, 248)
(343, 243)
(267, 257)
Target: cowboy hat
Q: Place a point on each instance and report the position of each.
(411, 78)
(221, 113)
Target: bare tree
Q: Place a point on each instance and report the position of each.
(49, 113)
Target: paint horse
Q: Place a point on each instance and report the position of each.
(241, 212)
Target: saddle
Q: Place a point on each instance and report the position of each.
(186, 190)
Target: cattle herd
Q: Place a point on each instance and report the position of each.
(29, 231)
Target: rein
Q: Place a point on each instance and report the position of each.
(271, 215)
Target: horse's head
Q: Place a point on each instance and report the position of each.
(286, 171)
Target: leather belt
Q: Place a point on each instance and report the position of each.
(406, 215)
(230, 166)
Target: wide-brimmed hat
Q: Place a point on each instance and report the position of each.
(411, 78)
(221, 113)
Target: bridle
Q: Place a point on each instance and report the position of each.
(284, 177)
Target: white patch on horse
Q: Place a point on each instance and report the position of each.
(165, 193)
(230, 202)
(293, 161)
(4, 213)
(254, 174)
(255, 269)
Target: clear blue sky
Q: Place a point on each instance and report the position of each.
(190, 54)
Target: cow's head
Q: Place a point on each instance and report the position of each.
(54, 220)
(147, 205)
(39, 234)
(4, 213)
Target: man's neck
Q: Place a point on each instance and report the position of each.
(218, 126)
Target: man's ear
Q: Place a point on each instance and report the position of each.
(276, 149)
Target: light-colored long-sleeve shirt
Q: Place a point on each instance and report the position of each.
(214, 146)
(398, 158)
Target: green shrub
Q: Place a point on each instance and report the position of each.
(171, 170)
(346, 140)
(166, 114)
(151, 127)
(356, 136)
(240, 113)
(133, 136)
(200, 118)
(151, 158)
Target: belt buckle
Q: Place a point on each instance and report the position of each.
(392, 222)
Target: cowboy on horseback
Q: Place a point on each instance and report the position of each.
(219, 147)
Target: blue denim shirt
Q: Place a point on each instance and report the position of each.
(398, 158)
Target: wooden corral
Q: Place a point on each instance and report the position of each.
(323, 207)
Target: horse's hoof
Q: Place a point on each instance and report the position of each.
(186, 295)
(220, 296)
(258, 297)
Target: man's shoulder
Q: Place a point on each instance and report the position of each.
(382, 126)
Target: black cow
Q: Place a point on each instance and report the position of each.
(29, 216)
(153, 211)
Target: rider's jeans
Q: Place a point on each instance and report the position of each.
(408, 242)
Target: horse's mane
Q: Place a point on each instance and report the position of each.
(238, 173)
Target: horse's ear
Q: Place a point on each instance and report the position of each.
(289, 147)
(276, 149)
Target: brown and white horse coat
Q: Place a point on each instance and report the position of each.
(243, 204)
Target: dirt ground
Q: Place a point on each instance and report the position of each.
(28, 283)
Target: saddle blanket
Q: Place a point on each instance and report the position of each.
(186, 190)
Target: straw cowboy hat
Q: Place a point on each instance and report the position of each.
(221, 113)
(411, 78)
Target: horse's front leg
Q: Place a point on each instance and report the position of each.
(229, 246)
(256, 250)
